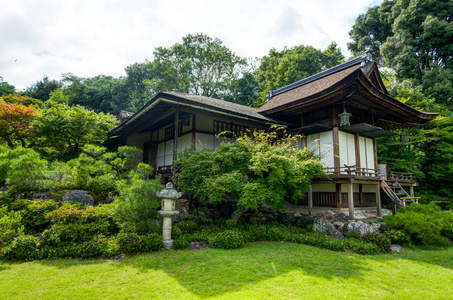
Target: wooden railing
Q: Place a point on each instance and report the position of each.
(399, 176)
(352, 171)
(165, 169)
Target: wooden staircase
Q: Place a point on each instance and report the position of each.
(397, 194)
(390, 192)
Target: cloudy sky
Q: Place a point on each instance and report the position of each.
(93, 37)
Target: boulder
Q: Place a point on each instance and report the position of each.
(396, 248)
(79, 196)
(330, 215)
(338, 225)
(361, 227)
(322, 225)
(43, 196)
(198, 245)
(334, 233)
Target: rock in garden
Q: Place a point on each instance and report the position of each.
(322, 225)
(334, 233)
(117, 257)
(198, 245)
(79, 196)
(43, 196)
(396, 248)
(361, 227)
(330, 215)
(338, 225)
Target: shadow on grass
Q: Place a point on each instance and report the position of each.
(213, 272)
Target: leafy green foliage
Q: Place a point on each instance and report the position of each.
(379, 239)
(136, 204)
(279, 69)
(398, 237)
(256, 169)
(33, 216)
(423, 223)
(63, 130)
(10, 225)
(228, 239)
(199, 65)
(24, 247)
(415, 39)
(180, 243)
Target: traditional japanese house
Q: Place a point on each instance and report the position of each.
(340, 112)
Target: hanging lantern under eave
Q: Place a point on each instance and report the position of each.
(344, 118)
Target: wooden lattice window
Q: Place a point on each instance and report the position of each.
(236, 129)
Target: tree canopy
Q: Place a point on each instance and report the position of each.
(280, 68)
(199, 65)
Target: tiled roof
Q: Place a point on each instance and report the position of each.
(311, 85)
(218, 104)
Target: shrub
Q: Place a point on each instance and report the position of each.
(151, 242)
(447, 231)
(88, 249)
(397, 237)
(352, 234)
(379, 239)
(187, 226)
(26, 172)
(320, 240)
(137, 202)
(5, 199)
(33, 216)
(180, 243)
(129, 242)
(10, 225)
(423, 223)
(24, 247)
(81, 231)
(228, 239)
(361, 247)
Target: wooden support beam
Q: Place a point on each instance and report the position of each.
(175, 139)
(351, 200)
(378, 199)
(411, 191)
(336, 150)
(310, 200)
(338, 194)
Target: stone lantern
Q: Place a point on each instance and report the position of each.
(169, 197)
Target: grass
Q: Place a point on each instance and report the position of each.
(265, 270)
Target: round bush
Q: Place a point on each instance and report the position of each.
(24, 247)
(129, 242)
(187, 226)
(151, 242)
(228, 239)
(180, 243)
(378, 239)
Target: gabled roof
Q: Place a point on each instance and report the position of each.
(163, 101)
(357, 76)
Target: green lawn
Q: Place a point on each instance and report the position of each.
(262, 270)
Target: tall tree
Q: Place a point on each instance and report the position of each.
(199, 65)
(6, 88)
(100, 93)
(41, 89)
(63, 130)
(419, 45)
(278, 69)
(15, 123)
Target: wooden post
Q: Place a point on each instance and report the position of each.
(310, 200)
(336, 151)
(357, 157)
(378, 199)
(351, 200)
(338, 194)
(361, 202)
(175, 139)
(411, 190)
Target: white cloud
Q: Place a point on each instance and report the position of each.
(89, 38)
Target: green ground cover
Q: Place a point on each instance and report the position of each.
(263, 270)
